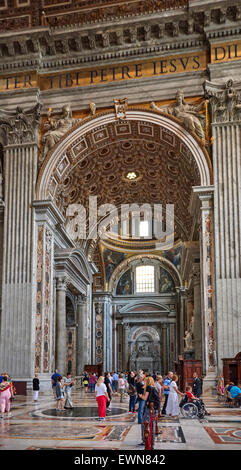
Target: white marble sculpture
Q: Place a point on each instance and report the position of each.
(187, 113)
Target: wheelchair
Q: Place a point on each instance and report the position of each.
(192, 409)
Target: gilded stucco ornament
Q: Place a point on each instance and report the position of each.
(187, 113)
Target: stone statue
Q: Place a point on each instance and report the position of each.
(56, 128)
(192, 325)
(188, 340)
(187, 113)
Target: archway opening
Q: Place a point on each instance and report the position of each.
(146, 159)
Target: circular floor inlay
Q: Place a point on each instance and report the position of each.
(82, 412)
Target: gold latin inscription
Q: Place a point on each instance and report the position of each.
(225, 52)
(118, 72)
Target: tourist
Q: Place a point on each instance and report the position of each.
(197, 386)
(68, 384)
(6, 394)
(59, 394)
(35, 387)
(132, 395)
(172, 407)
(220, 385)
(150, 395)
(86, 382)
(92, 382)
(140, 401)
(101, 397)
(226, 394)
(131, 378)
(166, 385)
(235, 393)
(197, 401)
(54, 379)
(109, 390)
(115, 382)
(158, 385)
(121, 387)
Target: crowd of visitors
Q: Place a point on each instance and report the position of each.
(141, 389)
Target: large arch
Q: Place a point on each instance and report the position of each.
(59, 160)
(122, 267)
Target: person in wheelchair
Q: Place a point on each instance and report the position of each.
(197, 401)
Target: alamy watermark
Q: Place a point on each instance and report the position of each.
(129, 222)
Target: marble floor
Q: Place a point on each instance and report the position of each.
(37, 426)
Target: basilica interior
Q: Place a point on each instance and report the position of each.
(120, 202)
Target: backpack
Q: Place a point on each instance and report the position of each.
(153, 398)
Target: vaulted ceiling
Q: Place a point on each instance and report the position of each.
(98, 165)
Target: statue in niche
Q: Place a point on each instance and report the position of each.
(192, 325)
(187, 113)
(56, 128)
(188, 341)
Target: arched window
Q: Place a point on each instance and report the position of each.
(145, 278)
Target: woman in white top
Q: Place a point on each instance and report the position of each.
(172, 402)
(101, 397)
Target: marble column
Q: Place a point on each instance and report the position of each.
(224, 100)
(61, 325)
(125, 360)
(81, 353)
(207, 285)
(164, 348)
(197, 312)
(181, 320)
(119, 347)
(18, 273)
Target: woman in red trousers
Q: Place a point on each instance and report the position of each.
(101, 397)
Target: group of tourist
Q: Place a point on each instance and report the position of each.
(62, 387)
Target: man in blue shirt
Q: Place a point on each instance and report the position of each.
(166, 384)
(115, 378)
(54, 379)
(235, 392)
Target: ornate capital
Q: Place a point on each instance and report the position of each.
(21, 127)
(81, 299)
(61, 283)
(225, 101)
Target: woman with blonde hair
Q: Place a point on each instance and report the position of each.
(101, 397)
(172, 403)
(150, 395)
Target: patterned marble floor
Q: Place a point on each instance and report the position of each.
(32, 427)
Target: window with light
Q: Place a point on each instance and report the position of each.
(145, 279)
